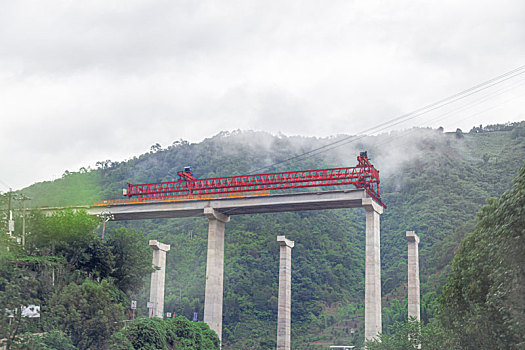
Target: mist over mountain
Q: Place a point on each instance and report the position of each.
(432, 183)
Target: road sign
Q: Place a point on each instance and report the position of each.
(151, 305)
(133, 304)
(168, 314)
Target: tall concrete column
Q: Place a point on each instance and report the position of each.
(156, 295)
(372, 269)
(284, 308)
(413, 275)
(214, 270)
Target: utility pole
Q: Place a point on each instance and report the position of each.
(10, 222)
(105, 216)
(23, 197)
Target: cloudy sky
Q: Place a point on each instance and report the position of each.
(83, 81)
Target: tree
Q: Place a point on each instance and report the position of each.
(476, 129)
(77, 279)
(155, 148)
(94, 257)
(397, 312)
(186, 335)
(483, 300)
(104, 164)
(176, 333)
(144, 333)
(71, 235)
(17, 289)
(132, 259)
(87, 312)
(46, 341)
(413, 335)
(61, 232)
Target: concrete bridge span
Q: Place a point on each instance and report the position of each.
(218, 212)
(238, 205)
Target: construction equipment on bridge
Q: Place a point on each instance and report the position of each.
(363, 175)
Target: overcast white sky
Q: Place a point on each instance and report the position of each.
(83, 81)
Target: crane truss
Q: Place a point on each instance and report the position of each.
(364, 175)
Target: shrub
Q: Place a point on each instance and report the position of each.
(176, 333)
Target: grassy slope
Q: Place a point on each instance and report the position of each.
(435, 189)
(73, 189)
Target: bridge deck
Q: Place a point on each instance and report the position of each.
(351, 198)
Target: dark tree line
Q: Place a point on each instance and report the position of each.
(483, 302)
(81, 283)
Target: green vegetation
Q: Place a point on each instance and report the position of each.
(75, 188)
(482, 305)
(483, 299)
(52, 340)
(176, 333)
(432, 182)
(89, 313)
(411, 334)
(81, 284)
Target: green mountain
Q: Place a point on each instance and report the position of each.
(432, 182)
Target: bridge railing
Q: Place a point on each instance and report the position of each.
(188, 197)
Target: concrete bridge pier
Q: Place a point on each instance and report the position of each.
(158, 277)
(214, 270)
(372, 269)
(284, 308)
(413, 275)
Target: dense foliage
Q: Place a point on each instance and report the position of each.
(89, 313)
(412, 335)
(176, 333)
(482, 305)
(483, 301)
(80, 283)
(432, 182)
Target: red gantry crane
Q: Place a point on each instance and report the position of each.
(363, 175)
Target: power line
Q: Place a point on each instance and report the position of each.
(408, 116)
(5, 185)
(399, 122)
(386, 141)
(480, 101)
(421, 111)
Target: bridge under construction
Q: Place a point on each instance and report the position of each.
(218, 199)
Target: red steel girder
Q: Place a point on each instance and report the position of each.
(364, 175)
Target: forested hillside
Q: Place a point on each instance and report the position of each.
(78, 288)
(432, 182)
